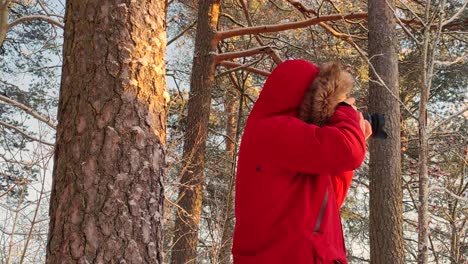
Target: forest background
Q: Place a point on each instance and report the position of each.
(431, 174)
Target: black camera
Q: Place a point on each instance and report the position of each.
(377, 121)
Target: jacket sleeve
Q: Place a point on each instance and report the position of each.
(305, 148)
(341, 183)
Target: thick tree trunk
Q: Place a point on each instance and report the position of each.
(107, 196)
(199, 106)
(386, 225)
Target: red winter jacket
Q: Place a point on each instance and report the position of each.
(292, 176)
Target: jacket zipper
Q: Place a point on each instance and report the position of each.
(322, 211)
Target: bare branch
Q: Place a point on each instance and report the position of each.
(231, 19)
(450, 63)
(181, 33)
(459, 12)
(25, 134)
(238, 66)
(299, 6)
(13, 229)
(412, 12)
(36, 211)
(307, 14)
(273, 54)
(286, 26)
(12, 178)
(244, 53)
(309, 22)
(35, 17)
(461, 198)
(8, 190)
(242, 94)
(403, 26)
(446, 120)
(435, 43)
(28, 110)
(381, 82)
(48, 13)
(278, 7)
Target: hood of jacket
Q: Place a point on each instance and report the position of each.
(284, 89)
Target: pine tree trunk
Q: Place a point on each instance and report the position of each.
(230, 142)
(107, 195)
(190, 196)
(386, 225)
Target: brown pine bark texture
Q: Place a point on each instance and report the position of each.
(190, 195)
(386, 224)
(107, 195)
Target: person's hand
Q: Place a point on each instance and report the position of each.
(365, 125)
(351, 101)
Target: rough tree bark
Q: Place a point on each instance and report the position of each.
(199, 105)
(386, 225)
(107, 196)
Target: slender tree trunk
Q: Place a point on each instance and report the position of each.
(455, 237)
(423, 210)
(428, 51)
(423, 214)
(386, 224)
(107, 195)
(231, 142)
(199, 106)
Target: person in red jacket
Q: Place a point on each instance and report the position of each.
(292, 177)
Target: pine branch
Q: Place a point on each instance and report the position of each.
(35, 17)
(310, 22)
(234, 66)
(25, 134)
(273, 54)
(403, 26)
(286, 26)
(446, 120)
(28, 110)
(181, 33)
(412, 12)
(244, 53)
(460, 59)
(456, 15)
(46, 11)
(307, 12)
(458, 197)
